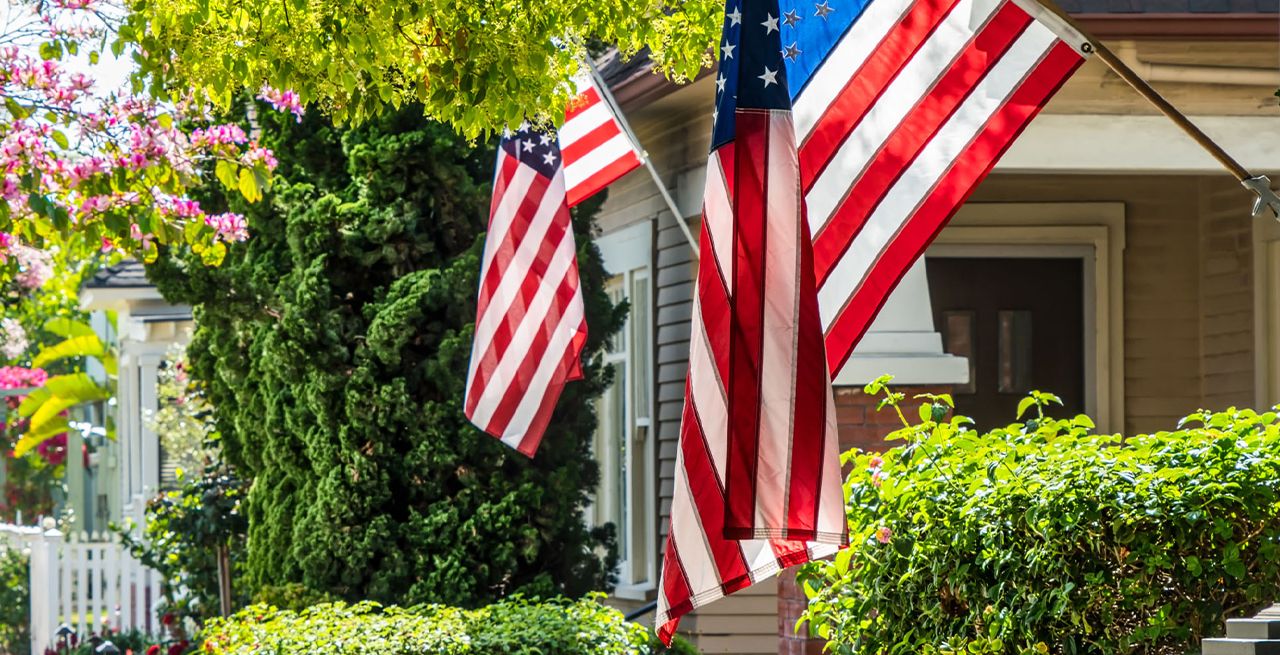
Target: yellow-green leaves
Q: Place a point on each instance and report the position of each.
(477, 67)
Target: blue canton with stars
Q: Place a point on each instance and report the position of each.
(533, 147)
(751, 75)
(810, 30)
(771, 49)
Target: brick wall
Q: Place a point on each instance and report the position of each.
(861, 426)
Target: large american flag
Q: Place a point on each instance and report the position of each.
(530, 326)
(898, 109)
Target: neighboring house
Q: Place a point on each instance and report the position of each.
(128, 471)
(1107, 259)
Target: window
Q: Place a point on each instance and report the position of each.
(623, 439)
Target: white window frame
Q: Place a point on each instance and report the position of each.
(627, 255)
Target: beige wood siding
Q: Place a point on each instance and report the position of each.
(1226, 295)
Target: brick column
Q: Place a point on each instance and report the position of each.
(861, 426)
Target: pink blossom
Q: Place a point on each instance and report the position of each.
(884, 534)
(283, 101)
(35, 267)
(13, 339)
(17, 377)
(106, 244)
(878, 477)
(875, 462)
(229, 226)
(258, 155)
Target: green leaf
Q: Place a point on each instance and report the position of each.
(226, 173)
(60, 139)
(88, 345)
(67, 328)
(32, 439)
(248, 186)
(1024, 405)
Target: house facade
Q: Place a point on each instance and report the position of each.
(1107, 259)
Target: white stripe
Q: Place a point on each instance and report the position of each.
(689, 536)
(717, 211)
(581, 125)
(707, 393)
(780, 324)
(535, 315)
(933, 162)
(831, 517)
(550, 360)
(518, 267)
(863, 37)
(601, 157)
(913, 82)
(499, 223)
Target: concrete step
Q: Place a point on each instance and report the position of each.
(1254, 628)
(1231, 646)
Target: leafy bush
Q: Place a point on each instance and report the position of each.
(512, 627)
(1045, 537)
(184, 528)
(15, 603)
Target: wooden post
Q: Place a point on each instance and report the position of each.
(224, 579)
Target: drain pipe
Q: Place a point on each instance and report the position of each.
(1196, 74)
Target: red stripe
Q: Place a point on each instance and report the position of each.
(543, 328)
(713, 307)
(601, 178)
(572, 151)
(789, 552)
(708, 498)
(808, 439)
(675, 589)
(581, 102)
(917, 129)
(867, 84)
(973, 164)
(538, 426)
(499, 260)
(746, 340)
(491, 353)
(506, 170)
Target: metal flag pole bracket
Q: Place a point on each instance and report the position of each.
(598, 80)
(1258, 184)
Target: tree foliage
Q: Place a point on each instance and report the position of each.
(334, 347)
(1044, 537)
(476, 66)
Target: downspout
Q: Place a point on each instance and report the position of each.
(1197, 74)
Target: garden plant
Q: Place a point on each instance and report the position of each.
(1045, 537)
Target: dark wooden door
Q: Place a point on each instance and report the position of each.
(1020, 321)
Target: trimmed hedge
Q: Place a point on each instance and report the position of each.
(1044, 537)
(512, 627)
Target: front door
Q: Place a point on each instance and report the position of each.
(1020, 321)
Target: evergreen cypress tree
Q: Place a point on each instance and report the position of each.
(334, 345)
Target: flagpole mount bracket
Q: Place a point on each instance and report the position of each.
(1260, 185)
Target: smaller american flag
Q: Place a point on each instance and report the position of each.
(596, 149)
(530, 326)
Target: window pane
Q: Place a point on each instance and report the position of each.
(617, 293)
(640, 359)
(609, 445)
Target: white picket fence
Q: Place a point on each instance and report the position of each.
(86, 581)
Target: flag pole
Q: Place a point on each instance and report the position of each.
(1260, 185)
(644, 154)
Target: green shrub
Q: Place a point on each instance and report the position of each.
(511, 627)
(334, 346)
(15, 603)
(1044, 537)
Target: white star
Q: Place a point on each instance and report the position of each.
(549, 158)
(791, 52)
(735, 18)
(821, 10)
(529, 145)
(546, 138)
(727, 49)
(770, 24)
(791, 18)
(720, 83)
(769, 77)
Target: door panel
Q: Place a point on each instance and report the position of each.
(1020, 321)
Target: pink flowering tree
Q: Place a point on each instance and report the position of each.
(97, 168)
